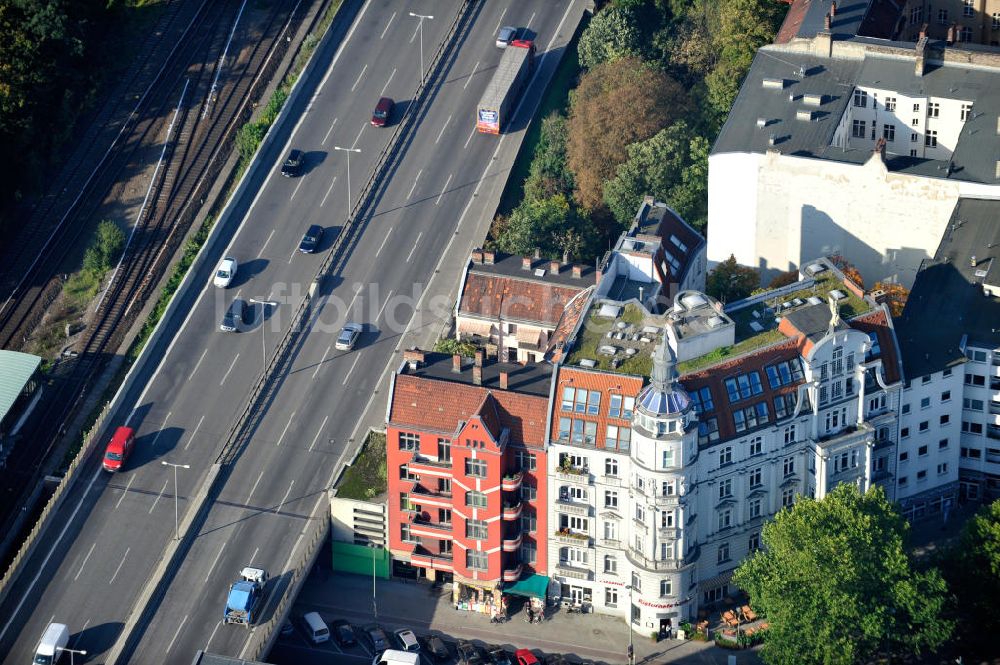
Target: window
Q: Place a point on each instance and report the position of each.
(755, 507)
(594, 402)
(904, 432)
(967, 8)
(922, 475)
(972, 453)
(858, 129)
(933, 109)
(723, 554)
(611, 530)
(716, 594)
(916, 15)
(476, 529)
(725, 518)
(640, 513)
(788, 466)
(787, 497)
(756, 446)
(903, 456)
(975, 380)
(475, 499)
(996, 21)
(944, 419)
(890, 103)
(564, 427)
(610, 564)
(906, 408)
(528, 492)
(444, 516)
(610, 499)
(668, 458)
(666, 588)
(925, 403)
(915, 122)
(922, 451)
(666, 519)
(405, 504)
(930, 139)
(861, 99)
(610, 596)
(943, 444)
(636, 582)
(476, 468)
(924, 425)
(913, 139)
(573, 493)
(967, 109)
(526, 461)
(789, 434)
(610, 466)
(754, 543)
(946, 396)
(924, 380)
(529, 552)
(783, 373)
(913, 153)
(726, 456)
(476, 560)
(405, 535)
(618, 438)
(972, 428)
(889, 132)
(970, 404)
(444, 485)
(756, 477)
(744, 386)
(529, 522)
(708, 430)
(702, 400)
(750, 417)
(404, 473)
(942, 468)
(877, 403)
(621, 406)
(409, 441)
(942, 17)
(903, 480)
(668, 488)
(725, 488)
(573, 523)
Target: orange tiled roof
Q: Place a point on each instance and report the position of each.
(501, 296)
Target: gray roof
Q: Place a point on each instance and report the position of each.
(15, 370)
(813, 321)
(203, 658)
(947, 301)
(887, 65)
(511, 265)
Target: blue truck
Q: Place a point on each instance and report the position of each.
(243, 604)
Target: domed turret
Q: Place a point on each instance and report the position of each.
(663, 397)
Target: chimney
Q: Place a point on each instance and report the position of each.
(880, 147)
(565, 258)
(833, 8)
(823, 42)
(538, 253)
(414, 356)
(456, 362)
(526, 263)
(597, 276)
(504, 377)
(477, 255)
(489, 256)
(554, 267)
(826, 22)
(921, 63)
(923, 31)
(577, 271)
(951, 34)
(479, 358)
(477, 375)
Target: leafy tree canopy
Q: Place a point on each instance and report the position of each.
(836, 585)
(729, 281)
(548, 174)
(610, 35)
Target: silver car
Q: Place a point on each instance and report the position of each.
(348, 336)
(506, 35)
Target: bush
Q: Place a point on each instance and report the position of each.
(452, 346)
(105, 249)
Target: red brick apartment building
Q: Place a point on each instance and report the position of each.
(466, 474)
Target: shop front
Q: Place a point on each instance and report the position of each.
(480, 596)
(528, 595)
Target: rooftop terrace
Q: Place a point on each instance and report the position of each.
(617, 339)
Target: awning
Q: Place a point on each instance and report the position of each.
(530, 587)
(528, 336)
(474, 327)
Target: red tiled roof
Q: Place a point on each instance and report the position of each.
(793, 21)
(501, 296)
(441, 406)
(606, 382)
(567, 322)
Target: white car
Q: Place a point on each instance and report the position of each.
(225, 273)
(506, 35)
(408, 640)
(348, 336)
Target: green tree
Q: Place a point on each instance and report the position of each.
(610, 35)
(836, 585)
(104, 251)
(548, 174)
(536, 223)
(729, 281)
(451, 346)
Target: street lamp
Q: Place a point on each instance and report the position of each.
(177, 535)
(71, 652)
(420, 28)
(348, 151)
(631, 650)
(263, 352)
(374, 604)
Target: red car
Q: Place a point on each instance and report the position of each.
(525, 657)
(383, 110)
(119, 449)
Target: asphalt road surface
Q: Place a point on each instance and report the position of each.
(89, 571)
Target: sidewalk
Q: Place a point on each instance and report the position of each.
(407, 604)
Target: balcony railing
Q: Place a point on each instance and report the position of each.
(995, 408)
(574, 474)
(571, 570)
(512, 511)
(423, 496)
(575, 538)
(440, 561)
(512, 574)
(422, 465)
(420, 527)
(512, 482)
(640, 560)
(512, 541)
(569, 507)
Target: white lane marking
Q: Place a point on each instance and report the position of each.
(500, 22)
(157, 499)
(471, 134)
(160, 431)
(254, 488)
(291, 256)
(285, 431)
(353, 145)
(340, 50)
(414, 184)
(212, 636)
(254, 556)
(198, 364)
(195, 432)
(176, 633)
(318, 432)
(382, 94)
(85, 560)
(285, 498)
(329, 131)
(415, 31)
(120, 564)
(296, 190)
(348, 376)
(469, 77)
(215, 561)
(231, 365)
(319, 365)
(444, 189)
(443, 127)
(76, 639)
(415, 242)
(269, 236)
(358, 80)
(382, 309)
(384, 240)
(328, 190)
(528, 24)
(130, 481)
(386, 29)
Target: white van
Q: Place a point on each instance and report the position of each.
(50, 647)
(396, 657)
(315, 627)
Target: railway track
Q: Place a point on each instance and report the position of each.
(193, 150)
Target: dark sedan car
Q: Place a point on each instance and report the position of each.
(292, 168)
(378, 637)
(498, 656)
(470, 654)
(343, 633)
(235, 316)
(310, 241)
(436, 647)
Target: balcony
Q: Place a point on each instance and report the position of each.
(570, 570)
(574, 538)
(420, 527)
(512, 483)
(883, 443)
(995, 408)
(848, 435)
(423, 466)
(512, 511)
(439, 561)
(569, 507)
(993, 432)
(574, 474)
(512, 574)
(512, 541)
(667, 500)
(639, 560)
(669, 532)
(425, 497)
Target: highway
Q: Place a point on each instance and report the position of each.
(116, 527)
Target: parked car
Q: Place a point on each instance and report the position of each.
(119, 449)
(292, 168)
(407, 640)
(225, 273)
(470, 654)
(499, 656)
(436, 647)
(378, 638)
(310, 241)
(525, 657)
(343, 633)
(506, 35)
(235, 316)
(348, 336)
(383, 112)
(555, 659)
